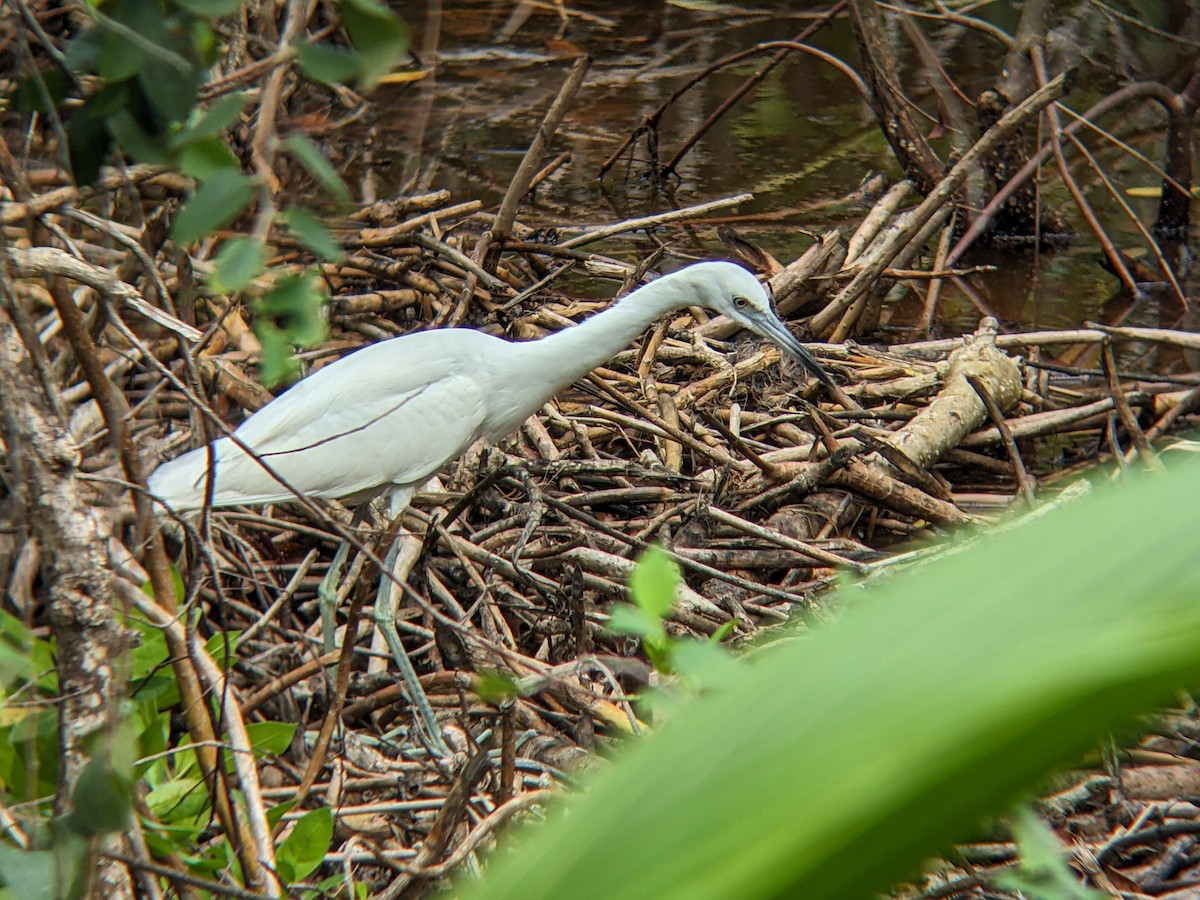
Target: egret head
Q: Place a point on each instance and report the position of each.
(733, 291)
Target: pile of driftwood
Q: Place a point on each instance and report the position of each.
(761, 485)
(696, 438)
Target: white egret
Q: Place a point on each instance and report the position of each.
(388, 417)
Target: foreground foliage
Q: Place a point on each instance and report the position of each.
(838, 761)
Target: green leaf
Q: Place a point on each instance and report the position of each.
(204, 159)
(214, 120)
(311, 233)
(133, 138)
(239, 261)
(88, 143)
(222, 645)
(722, 632)
(303, 849)
(270, 737)
(211, 9)
(294, 306)
(173, 94)
(34, 873)
(206, 43)
(379, 36)
(1044, 873)
(495, 687)
(103, 798)
(180, 801)
(143, 25)
(309, 156)
(277, 364)
(287, 315)
(119, 58)
(326, 63)
(42, 90)
(218, 202)
(277, 812)
(654, 582)
(703, 664)
(624, 618)
(83, 52)
(932, 699)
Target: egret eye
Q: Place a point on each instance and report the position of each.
(740, 302)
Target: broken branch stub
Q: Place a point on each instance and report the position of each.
(957, 409)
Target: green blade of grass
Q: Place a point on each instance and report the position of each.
(835, 763)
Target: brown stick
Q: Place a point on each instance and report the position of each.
(937, 199)
(921, 165)
(532, 160)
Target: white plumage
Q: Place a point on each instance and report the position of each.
(389, 416)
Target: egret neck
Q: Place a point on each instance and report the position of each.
(558, 360)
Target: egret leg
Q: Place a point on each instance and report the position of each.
(327, 598)
(385, 621)
(327, 591)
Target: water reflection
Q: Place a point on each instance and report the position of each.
(800, 139)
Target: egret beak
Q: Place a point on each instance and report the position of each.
(774, 330)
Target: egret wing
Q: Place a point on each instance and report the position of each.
(391, 413)
(399, 439)
(365, 445)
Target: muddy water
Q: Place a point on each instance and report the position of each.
(799, 141)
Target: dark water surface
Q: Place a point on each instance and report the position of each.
(799, 141)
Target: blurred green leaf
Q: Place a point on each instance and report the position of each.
(277, 365)
(140, 23)
(325, 62)
(119, 58)
(654, 581)
(239, 261)
(304, 848)
(103, 798)
(270, 737)
(211, 9)
(42, 90)
(495, 687)
(723, 631)
(88, 143)
(204, 159)
(221, 114)
(206, 43)
(294, 306)
(1044, 872)
(979, 671)
(311, 233)
(379, 36)
(310, 156)
(625, 618)
(83, 51)
(31, 874)
(172, 94)
(289, 314)
(218, 202)
(134, 140)
(703, 663)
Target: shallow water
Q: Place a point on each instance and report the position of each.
(799, 141)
